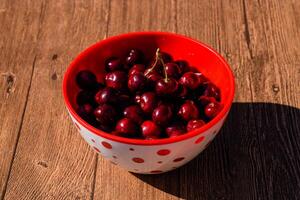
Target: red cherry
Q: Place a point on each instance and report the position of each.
(137, 82)
(212, 91)
(86, 80)
(152, 77)
(182, 91)
(113, 64)
(190, 80)
(212, 109)
(126, 127)
(188, 110)
(137, 98)
(148, 102)
(172, 70)
(194, 124)
(162, 115)
(135, 56)
(116, 80)
(204, 100)
(175, 130)
(84, 96)
(166, 57)
(106, 95)
(166, 87)
(183, 66)
(150, 129)
(105, 114)
(137, 68)
(135, 113)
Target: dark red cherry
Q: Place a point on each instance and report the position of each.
(172, 70)
(212, 91)
(212, 109)
(194, 124)
(135, 113)
(105, 114)
(86, 113)
(204, 100)
(126, 127)
(137, 98)
(86, 80)
(105, 128)
(116, 80)
(175, 130)
(152, 137)
(183, 66)
(166, 87)
(148, 102)
(190, 80)
(137, 68)
(113, 64)
(150, 129)
(137, 82)
(106, 95)
(162, 115)
(188, 110)
(153, 77)
(182, 91)
(166, 57)
(135, 56)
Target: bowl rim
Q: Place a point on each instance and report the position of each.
(199, 131)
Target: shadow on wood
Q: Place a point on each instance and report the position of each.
(255, 156)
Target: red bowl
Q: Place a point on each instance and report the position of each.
(197, 54)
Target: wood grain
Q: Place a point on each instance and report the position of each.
(257, 153)
(52, 161)
(18, 41)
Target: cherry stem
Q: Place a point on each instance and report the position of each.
(157, 56)
(164, 66)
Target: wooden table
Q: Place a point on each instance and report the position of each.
(257, 153)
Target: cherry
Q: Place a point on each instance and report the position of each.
(116, 80)
(175, 130)
(162, 115)
(150, 129)
(212, 91)
(172, 70)
(105, 128)
(105, 114)
(113, 64)
(85, 112)
(166, 57)
(153, 77)
(137, 82)
(204, 100)
(148, 102)
(190, 80)
(137, 98)
(106, 95)
(126, 127)
(137, 68)
(194, 124)
(212, 109)
(86, 80)
(134, 113)
(134, 57)
(88, 108)
(188, 110)
(168, 87)
(183, 66)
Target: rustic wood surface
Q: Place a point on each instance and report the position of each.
(257, 153)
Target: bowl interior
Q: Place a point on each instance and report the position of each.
(179, 47)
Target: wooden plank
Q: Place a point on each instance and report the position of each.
(113, 182)
(19, 23)
(52, 161)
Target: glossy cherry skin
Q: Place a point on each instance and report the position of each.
(137, 98)
(113, 64)
(106, 95)
(166, 57)
(126, 127)
(150, 129)
(188, 110)
(86, 80)
(105, 114)
(135, 56)
(175, 130)
(162, 115)
(212, 91)
(152, 77)
(212, 109)
(116, 80)
(137, 68)
(148, 102)
(134, 113)
(166, 87)
(137, 82)
(204, 100)
(194, 124)
(190, 80)
(172, 70)
(182, 91)
(183, 66)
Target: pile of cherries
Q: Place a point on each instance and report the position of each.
(166, 99)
